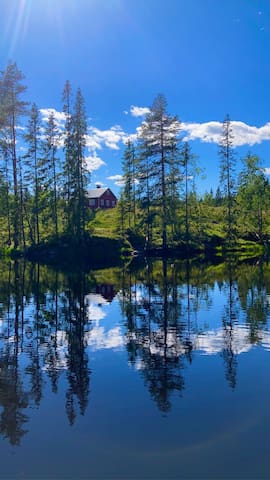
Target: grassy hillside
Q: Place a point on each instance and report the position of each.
(104, 223)
(207, 233)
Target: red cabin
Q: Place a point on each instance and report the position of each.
(101, 198)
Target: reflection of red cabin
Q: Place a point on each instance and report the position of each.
(101, 198)
(107, 291)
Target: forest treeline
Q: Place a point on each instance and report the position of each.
(42, 193)
(160, 200)
(44, 180)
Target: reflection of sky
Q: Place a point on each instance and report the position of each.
(107, 336)
(105, 329)
(98, 338)
(206, 333)
(95, 304)
(215, 341)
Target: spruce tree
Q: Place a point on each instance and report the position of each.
(68, 149)
(128, 196)
(79, 175)
(49, 146)
(186, 161)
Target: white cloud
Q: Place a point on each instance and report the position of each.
(111, 137)
(60, 117)
(93, 162)
(92, 143)
(266, 170)
(131, 137)
(210, 132)
(138, 111)
(206, 132)
(117, 179)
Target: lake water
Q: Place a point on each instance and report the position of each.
(154, 371)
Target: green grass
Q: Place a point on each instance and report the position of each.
(104, 223)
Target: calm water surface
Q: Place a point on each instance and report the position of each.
(152, 371)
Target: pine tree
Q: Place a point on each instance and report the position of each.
(227, 176)
(6, 209)
(11, 109)
(158, 142)
(32, 165)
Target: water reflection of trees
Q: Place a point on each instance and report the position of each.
(43, 320)
(160, 310)
(162, 307)
(229, 320)
(45, 327)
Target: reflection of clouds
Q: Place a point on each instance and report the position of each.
(94, 303)
(267, 296)
(94, 312)
(139, 364)
(265, 340)
(12, 339)
(207, 343)
(214, 341)
(59, 346)
(98, 338)
(96, 298)
(159, 343)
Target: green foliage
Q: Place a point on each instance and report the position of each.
(43, 194)
(253, 201)
(40, 197)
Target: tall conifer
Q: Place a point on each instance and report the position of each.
(227, 176)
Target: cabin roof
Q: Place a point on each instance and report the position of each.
(96, 192)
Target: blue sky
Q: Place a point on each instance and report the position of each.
(208, 57)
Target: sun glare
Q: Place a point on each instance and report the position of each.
(17, 23)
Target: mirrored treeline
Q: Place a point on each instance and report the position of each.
(171, 313)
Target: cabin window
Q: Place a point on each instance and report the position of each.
(102, 202)
(92, 202)
(113, 203)
(107, 203)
